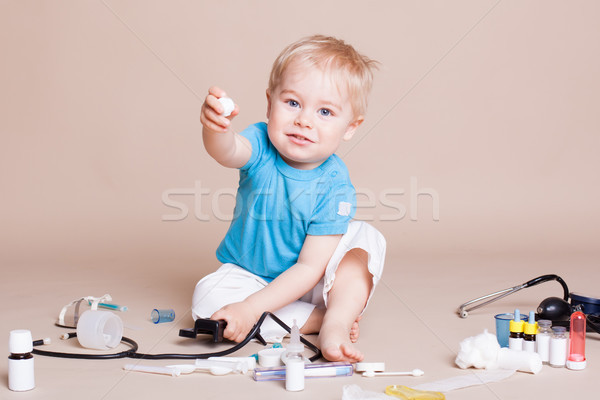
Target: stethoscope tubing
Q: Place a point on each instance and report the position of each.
(132, 352)
(477, 303)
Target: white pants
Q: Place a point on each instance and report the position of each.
(231, 283)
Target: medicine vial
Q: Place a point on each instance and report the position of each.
(542, 339)
(558, 347)
(294, 365)
(529, 333)
(515, 338)
(576, 358)
(20, 361)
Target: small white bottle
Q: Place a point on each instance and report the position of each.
(558, 347)
(543, 339)
(294, 365)
(20, 361)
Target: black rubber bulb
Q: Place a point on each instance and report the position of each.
(554, 309)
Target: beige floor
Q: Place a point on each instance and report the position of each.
(411, 323)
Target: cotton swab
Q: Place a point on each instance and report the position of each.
(414, 372)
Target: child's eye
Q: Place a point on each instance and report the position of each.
(293, 103)
(325, 112)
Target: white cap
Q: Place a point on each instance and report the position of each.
(20, 341)
(576, 365)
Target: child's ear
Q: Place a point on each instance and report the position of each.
(268, 103)
(352, 127)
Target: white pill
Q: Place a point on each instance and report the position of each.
(228, 106)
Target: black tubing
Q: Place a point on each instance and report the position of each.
(132, 351)
(550, 277)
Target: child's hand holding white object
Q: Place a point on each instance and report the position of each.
(217, 110)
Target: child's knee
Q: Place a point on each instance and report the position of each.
(225, 286)
(356, 261)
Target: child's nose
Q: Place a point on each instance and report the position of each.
(303, 121)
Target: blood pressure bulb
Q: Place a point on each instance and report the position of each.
(576, 358)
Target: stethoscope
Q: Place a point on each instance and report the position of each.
(132, 351)
(479, 302)
(555, 309)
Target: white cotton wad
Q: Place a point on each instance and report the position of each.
(228, 106)
(483, 351)
(479, 351)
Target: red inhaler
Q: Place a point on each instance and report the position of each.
(576, 358)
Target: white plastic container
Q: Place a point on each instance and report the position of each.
(294, 364)
(20, 362)
(99, 330)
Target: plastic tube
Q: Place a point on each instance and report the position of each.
(576, 359)
(325, 370)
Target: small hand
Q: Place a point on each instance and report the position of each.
(211, 113)
(240, 319)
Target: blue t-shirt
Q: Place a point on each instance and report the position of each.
(278, 205)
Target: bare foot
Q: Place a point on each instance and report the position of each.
(313, 324)
(336, 344)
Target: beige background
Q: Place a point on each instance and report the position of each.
(478, 159)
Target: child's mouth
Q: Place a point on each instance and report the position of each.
(299, 139)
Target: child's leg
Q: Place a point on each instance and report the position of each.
(351, 275)
(346, 301)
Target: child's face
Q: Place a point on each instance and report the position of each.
(309, 116)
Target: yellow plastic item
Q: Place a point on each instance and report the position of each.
(406, 393)
(515, 326)
(531, 329)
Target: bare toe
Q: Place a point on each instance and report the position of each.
(354, 332)
(351, 353)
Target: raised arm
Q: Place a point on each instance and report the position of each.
(225, 146)
(286, 288)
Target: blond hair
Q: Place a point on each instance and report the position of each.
(347, 66)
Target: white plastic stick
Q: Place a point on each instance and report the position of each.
(414, 372)
(152, 370)
(235, 366)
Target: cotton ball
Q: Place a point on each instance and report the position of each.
(479, 351)
(228, 106)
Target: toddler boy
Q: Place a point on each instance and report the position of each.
(292, 247)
